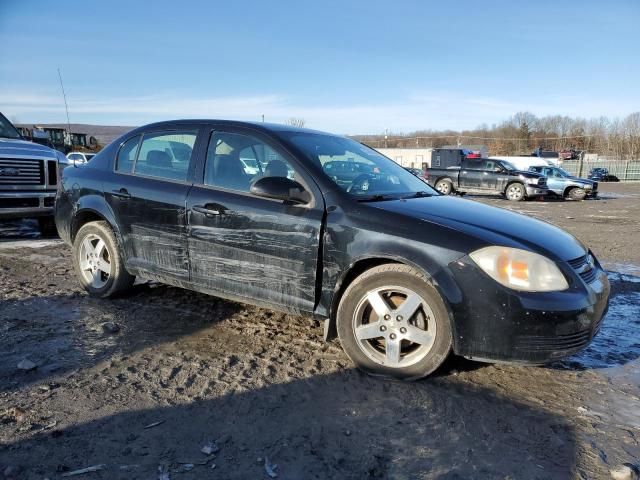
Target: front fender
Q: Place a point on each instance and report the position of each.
(364, 249)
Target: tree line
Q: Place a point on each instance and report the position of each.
(524, 132)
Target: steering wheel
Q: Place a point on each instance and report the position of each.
(361, 183)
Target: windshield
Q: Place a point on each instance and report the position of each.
(7, 130)
(358, 169)
(507, 165)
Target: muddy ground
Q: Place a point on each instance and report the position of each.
(260, 388)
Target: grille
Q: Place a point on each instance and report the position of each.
(542, 182)
(584, 268)
(14, 171)
(595, 186)
(539, 343)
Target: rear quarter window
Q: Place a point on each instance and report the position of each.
(127, 155)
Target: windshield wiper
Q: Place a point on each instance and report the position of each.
(376, 198)
(420, 194)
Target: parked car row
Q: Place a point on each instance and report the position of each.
(501, 177)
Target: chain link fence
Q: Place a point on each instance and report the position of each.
(624, 170)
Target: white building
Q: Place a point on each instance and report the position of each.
(409, 157)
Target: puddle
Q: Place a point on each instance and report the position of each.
(618, 342)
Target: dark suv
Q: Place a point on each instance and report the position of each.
(402, 274)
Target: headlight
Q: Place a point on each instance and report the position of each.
(520, 269)
(532, 181)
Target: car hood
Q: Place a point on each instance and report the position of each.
(526, 173)
(586, 181)
(10, 147)
(492, 225)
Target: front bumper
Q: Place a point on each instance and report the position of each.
(494, 323)
(534, 191)
(27, 204)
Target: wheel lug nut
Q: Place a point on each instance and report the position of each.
(399, 318)
(392, 336)
(383, 328)
(403, 330)
(387, 317)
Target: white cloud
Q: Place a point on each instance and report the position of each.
(436, 110)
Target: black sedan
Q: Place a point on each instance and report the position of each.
(401, 274)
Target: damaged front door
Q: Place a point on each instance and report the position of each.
(249, 247)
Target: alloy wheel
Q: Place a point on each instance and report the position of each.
(394, 326)
(95, 261)
(514, 192)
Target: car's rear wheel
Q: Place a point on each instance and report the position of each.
(392, 322)
(444, 186)
(577, 193)
(515, 192)
(97, 261)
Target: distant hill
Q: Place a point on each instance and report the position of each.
(103, 133)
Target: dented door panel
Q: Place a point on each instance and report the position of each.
(254, 247)
(151, 215)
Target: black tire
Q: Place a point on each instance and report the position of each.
(516, 192)
(401, 276)
(118, 280)
(444, 186)
(47, 227)
(577, 193)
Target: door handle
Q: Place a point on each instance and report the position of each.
(209, 210)
(122, 193)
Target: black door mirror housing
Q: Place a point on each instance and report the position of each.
(280, 188)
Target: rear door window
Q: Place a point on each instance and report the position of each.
(166, 155)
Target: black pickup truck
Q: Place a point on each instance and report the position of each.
(488, 176)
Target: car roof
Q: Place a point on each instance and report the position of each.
(269, 127)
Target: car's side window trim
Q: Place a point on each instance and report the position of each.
(304, 177)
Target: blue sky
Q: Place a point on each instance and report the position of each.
(344, 66)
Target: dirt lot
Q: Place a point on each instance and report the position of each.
(257, 388)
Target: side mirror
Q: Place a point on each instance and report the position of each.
(280, 188)
(497, 169)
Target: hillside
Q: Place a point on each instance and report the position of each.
(103, 133)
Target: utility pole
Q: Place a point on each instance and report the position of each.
(386, 136)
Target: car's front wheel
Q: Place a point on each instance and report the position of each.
(444, 186)
(391, 321)
(516, 192)
(577, 193)
(97, 261)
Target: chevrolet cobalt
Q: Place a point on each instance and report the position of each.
(267, 214)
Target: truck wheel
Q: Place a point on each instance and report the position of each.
(444, 186)
(97, 261)
(392, 322)
(577, 193)
(515, 192)
(47, 226)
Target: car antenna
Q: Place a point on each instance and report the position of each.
(64, 95)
